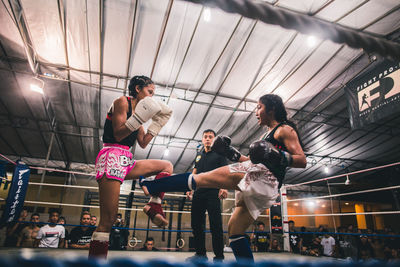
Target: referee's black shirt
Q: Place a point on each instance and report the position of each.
(208, 161)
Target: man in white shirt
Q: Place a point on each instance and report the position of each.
(51, 235)
(328, 242)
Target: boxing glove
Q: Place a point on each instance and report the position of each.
(264, 152)
(222, 146)
(144, 111)
(159, 119)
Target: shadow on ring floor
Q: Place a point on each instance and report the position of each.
(149, 255)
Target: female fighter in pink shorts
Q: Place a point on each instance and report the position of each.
(115, 163)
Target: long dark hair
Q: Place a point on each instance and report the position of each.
(141, 81)
(274, 102)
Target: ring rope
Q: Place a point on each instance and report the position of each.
(96, 188)
(342, 175)
(346, 214)
(120, 208)
(305, 24)
(345, 194)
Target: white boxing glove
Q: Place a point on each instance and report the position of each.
(145, 109)
(160, 119)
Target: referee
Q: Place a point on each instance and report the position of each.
(207, 199)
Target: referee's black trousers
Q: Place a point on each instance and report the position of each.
(201, 204)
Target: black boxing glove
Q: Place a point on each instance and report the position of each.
(222, 146)
(264, 152)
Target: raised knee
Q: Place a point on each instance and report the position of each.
(168, 167)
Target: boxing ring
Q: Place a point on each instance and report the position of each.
(178, 254)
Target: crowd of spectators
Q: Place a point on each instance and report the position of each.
(347, 243)
(54, 233)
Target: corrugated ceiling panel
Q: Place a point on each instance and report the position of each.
(176, 39)
(77, 34)
(93, 32)
(118, 22)
(186, 161)
(374, 9)
(237, 119)
(214, 120)
(10, 136)
(321, 80)
(289, 60)
(13, 95)
(302, 6)
(85, 102)
(225, 63)
(212, 34)
(254, 60)
(192, 121)
(38, 148)
(14, 46)
(44, 25)
(387, 24)
(312, 64)
(337, 9)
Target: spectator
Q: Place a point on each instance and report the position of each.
(149, 245)
(261, 238)
(81, 235)
(344, 250)
(391, 243)
(365, 251)
(118, 237)
(378, 247)
(51, 235)
(294, 239)
(315, 248)
(93, 221)
(28, 234)
(14, 229)
(62, 221)
(274, 247)
(328, 243)
(305, 240)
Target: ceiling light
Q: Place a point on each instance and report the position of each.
(326, 169)
(166, 152)
(207, 14)
(296, 204)
(347, 203)
(311, 41)
(37, 89)
(347, 182)
(323, 205)
(311, 204)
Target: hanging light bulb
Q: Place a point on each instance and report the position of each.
(326, 169)
(347, 182)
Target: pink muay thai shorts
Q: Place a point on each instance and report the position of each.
(114, 160)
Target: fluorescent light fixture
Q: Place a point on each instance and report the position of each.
(207, 14)
(37, 89)
(326, 169)
(166, 152)
(311, 41)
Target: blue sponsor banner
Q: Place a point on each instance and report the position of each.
(275, 216)
(3, 175)
(16, 195)
(374, 95)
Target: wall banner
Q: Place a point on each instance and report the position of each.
(16, 195)
(374, 95)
